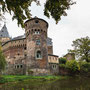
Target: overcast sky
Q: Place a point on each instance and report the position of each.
(71, 27)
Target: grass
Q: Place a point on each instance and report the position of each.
(16, 78)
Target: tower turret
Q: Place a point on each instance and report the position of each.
(36, 36)
(4, 35)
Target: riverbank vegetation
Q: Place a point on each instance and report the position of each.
(74, 67)
(17, 78)
(81, 66)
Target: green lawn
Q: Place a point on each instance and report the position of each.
(16, 78)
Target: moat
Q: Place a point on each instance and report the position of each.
(75, 83)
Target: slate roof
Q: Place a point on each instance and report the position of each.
(49, 41)
(4, 32)
(19, 37)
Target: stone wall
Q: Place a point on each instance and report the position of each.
(38, 72)
(50, 49)
(36, 29)
(54, 68)
(4, 39)
(70, 56)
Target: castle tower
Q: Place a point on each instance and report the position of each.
(36, 36)
(4, 35)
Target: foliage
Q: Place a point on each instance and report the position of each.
(84, 66)
(20, 9)
(57, 8)
(62, 60)
(82, 48)
(14, 78)
(62, 66)
(72, 65)
(2, 60)
(2, 80)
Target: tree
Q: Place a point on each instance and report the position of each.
(2, 60)
(62, 60)
(20, 9)
(82, 48)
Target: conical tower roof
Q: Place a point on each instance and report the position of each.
(4, 32)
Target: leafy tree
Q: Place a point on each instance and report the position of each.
(62, 60)
(82, 48)
(20, 9)
(72, 65)
(84, 66)
(2, 60)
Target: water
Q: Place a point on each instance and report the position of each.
(68, 84)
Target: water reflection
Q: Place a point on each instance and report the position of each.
(70, 84)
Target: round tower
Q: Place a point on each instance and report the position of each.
(36, 36)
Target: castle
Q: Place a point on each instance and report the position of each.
(31, 53)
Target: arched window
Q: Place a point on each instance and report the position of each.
(38, 54)
(38, 42)
(25, 48)
(37, 31)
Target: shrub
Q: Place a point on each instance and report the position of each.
(72, 65)
(62, 60)
(85, 66)
(62, 66)
(2, 80)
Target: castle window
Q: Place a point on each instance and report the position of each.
(50, 58)
(25, 55)
(38, 55)
(21, 66)
(37, 32)
(36, 21)
(38, 42)
(25, 48)
(41, 30)
(54, 66)
(17, 66)
(18, 54)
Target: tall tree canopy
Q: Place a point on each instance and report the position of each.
(82, 48)
(20, 9)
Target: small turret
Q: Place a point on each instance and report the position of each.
(4, 35)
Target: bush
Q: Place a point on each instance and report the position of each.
(85, 66)
(62, 60)
(62, 66)
(72, 65)
(2, 80)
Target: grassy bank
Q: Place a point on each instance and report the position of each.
(16, 78)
